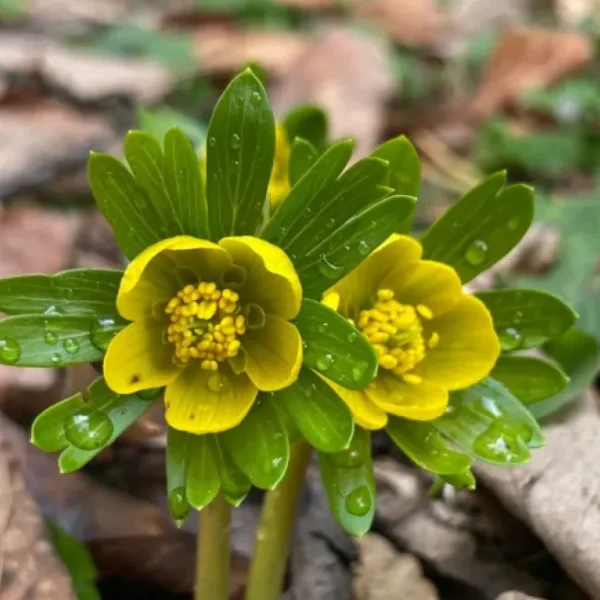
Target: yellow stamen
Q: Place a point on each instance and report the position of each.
(396, 332)
(205, 324)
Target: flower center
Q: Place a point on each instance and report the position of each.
(205, 324)
(396, 332)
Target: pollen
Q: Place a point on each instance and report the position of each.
(396, 332)
(205, 324)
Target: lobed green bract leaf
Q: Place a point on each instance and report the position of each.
(530, 379)
(134, 219)
(347, 247)
(318, 412)
(489, 423)
(578, 354)
(350, 484)
(240, 152)
(334, 347)
(55, 340)
(176, 463)
(527, 318)
(202, 477)
(259, 445)
(308, 122)
(79, 291)
(302, 156)
(81, 428)
(426, 447)
(481, 228)
(235, 486)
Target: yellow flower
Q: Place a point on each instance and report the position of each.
(211, 323)
(279, 184)
(429, 336)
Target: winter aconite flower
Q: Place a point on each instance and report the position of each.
(279, 184)
(211, 323)
(429, 336)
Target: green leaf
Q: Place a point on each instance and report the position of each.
(240, 153)
(356, 189)
(202, 477)
(81, 428)
(334, 347)
(578, 354)
(350, 483)
(259, 445)
(489, 423)
(184, 183)
(530, 379)
(481, 228)
(404, 173)
(78, 561)
(55, 340)
(527, 318)
(308, 122)
(305, 198)
(157, 121)
(346, 248)
(235, 486)
(318, 412)
(124, 204)
(302, 156)
(463, 481)
(426, 447)
(176, 462)
(79, 291)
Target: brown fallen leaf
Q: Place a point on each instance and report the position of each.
(29, 570)
(525, 59)
(349, 76)
(224, 49)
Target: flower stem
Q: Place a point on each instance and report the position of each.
(213, 558)
(275, 529)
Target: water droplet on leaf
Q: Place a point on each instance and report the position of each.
(363, 248)
(330, 223)
(500, 443)
(50, 338)
(88, 429)
(323, 327)
(358, 370)
(358, 501)
(256, 98)
(510, 338)
(71, 345)
(55, 359)
(236, 141)
(178, 504)
(102, 333)
(328, 269)
(347, 458)
(352, 336)
(324, 362)
(10, 351)
(476, 252)
(212, 141)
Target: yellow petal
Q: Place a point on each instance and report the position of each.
(201, 401)
(420, 402)
(154, 276)
(136, 359)
(365, 412)
(467, 349)
(433, 284)
(357, 290)
(331, 300)
(271, 280)
(274, 354)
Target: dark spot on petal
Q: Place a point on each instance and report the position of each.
(134, 379)
(192, 417)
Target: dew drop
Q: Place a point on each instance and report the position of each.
(150, 394)
(328, 269)
(330, 223)
(358, 501)
(351, 337)
(236, 141)
(10, 351)
(510, 338)
(476, 252)
(489, 405)
(500, 444)
(178, 504)
(55, 359)
(50, 338)
(347, 458)
(513, 223)
(217, 383)
(103, 331)
(71, 346)
(69, 294)
(323, 327)
(324, 362)
(358, 370)
(363, 248)
(309, 391)
(212, 141)
(88, 429)
(256, 98)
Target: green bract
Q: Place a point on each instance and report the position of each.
(333, 217)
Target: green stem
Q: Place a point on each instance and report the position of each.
(275, 529)
(213, 560)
